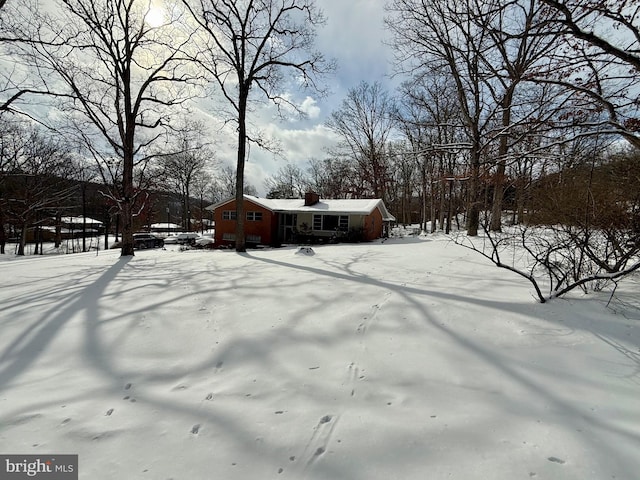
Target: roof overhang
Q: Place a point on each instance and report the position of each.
(331, 207)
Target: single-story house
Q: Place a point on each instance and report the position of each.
(69, 227)
(277, 221)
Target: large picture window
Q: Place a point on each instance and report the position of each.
(331, 222)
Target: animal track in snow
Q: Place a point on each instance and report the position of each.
(355, 374)
(320, 438)
(367, 320)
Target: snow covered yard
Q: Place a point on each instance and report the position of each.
(408, 359)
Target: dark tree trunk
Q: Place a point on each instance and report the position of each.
(23, 238)
(3, 235)
(127, 180)
(84, 217)
(242, 148)
(58, 233)
(503, 147)
(107, 229)
(473, 216)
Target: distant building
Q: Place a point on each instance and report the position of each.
(69, 227)
(165, 228)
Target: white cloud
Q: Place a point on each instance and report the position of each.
(298, 147)
(310, 107)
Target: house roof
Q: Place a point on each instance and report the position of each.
(296, 205)
(165, 226)
(80, 220)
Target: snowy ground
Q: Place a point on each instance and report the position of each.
(406, 359)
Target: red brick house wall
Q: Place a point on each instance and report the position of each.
(373, 225)
(265, 228)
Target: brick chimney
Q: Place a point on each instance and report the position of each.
(311, 198)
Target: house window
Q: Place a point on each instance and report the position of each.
(331, 222)
(229, 237)
(229, 215)
(317, 222)
(254, 216)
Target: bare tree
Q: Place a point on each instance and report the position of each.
(520, 40)
(583, 230)
(442, 37)
(252, 45)
(599, 61)
(225, 181)
(36, 180)
(430, 119)
(403, 184)
(179, 171)
(364, 123)
(288, 182)
(203, 185)
(580, 17)
(332, 177)
(12, 143)
(120, 74)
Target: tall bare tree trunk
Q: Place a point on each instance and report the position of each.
(473, 217)
(23, 238)
(241, 245)
(503, 148)
(3, 235)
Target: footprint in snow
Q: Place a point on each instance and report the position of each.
(195, 429)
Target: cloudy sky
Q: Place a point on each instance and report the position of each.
(353, 36)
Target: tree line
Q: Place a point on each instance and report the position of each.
(43, 178)
(495, 96)
(120, 73)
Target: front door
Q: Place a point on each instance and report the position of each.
(286, 230)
